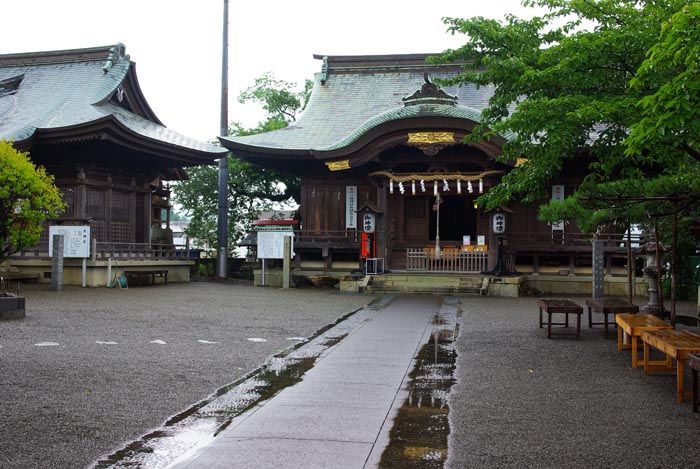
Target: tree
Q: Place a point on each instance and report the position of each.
(28, 197)
(576, 80)
(251, 189)
(671, 113)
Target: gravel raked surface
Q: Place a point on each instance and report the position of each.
(522, 400)
(128, 359)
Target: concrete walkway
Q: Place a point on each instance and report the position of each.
(342, 411)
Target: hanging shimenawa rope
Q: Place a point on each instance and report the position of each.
(404, 177)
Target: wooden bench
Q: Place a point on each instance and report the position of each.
(677, 345)
(633, 325)
(694, 365)
(139, 274)
(559, 306)
(607, 306)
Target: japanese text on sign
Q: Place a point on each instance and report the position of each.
(271, 244)
(350, 207)
(76, 240)
(499, 223)
(368, 223)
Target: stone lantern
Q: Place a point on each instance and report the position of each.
(651, 272)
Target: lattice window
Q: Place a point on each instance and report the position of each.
(95, 203)
(120, 205)
(68, 194)
(139, 216)
(97, 228)
(121, 231)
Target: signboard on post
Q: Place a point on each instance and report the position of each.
(76, 240)
(271, 244)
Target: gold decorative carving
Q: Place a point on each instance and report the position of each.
(338, 165)
(431, 138)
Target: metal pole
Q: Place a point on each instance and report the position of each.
(222, 218)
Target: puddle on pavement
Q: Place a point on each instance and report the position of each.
(195, 428)
(418, 438)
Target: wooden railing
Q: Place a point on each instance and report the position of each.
(121, 251)
(569, 241)
(449, 260)
(325, 237)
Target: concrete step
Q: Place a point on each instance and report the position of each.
(424, 284)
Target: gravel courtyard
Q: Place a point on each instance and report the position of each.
(89, 370)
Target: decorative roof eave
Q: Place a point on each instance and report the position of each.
(264, 153)
(138, 100)
(457, 113)
(381, 132)
(109, 128)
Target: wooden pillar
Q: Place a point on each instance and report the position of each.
(108, 209)
(382, 231)
(80, 195)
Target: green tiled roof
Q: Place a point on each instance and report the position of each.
(354, 94)
(62, 90)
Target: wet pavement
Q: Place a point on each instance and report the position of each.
(342, 412)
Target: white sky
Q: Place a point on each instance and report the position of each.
(177, 44)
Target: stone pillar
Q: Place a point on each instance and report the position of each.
(57, 263)
(598, 269)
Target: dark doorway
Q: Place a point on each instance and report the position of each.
(457, 218)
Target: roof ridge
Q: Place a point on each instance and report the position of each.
(90, 54)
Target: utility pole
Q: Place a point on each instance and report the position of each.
(222, 219)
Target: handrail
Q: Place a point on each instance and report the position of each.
(122, 251)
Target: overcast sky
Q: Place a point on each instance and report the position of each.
(177, 44)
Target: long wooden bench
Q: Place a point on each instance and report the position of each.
(140, 274)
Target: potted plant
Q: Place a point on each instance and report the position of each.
(28, 197)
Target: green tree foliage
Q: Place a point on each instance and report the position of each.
(28, 197)
(575, 80)
(251, 189)
(671, 72)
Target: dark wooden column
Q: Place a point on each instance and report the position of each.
(382, 222)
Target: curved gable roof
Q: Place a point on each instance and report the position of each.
(64, 90)
(355, 94)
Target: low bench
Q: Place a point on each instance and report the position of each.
(607, 306)
(566, 307)
(694, 365)
(139, 274)
(677, 345)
